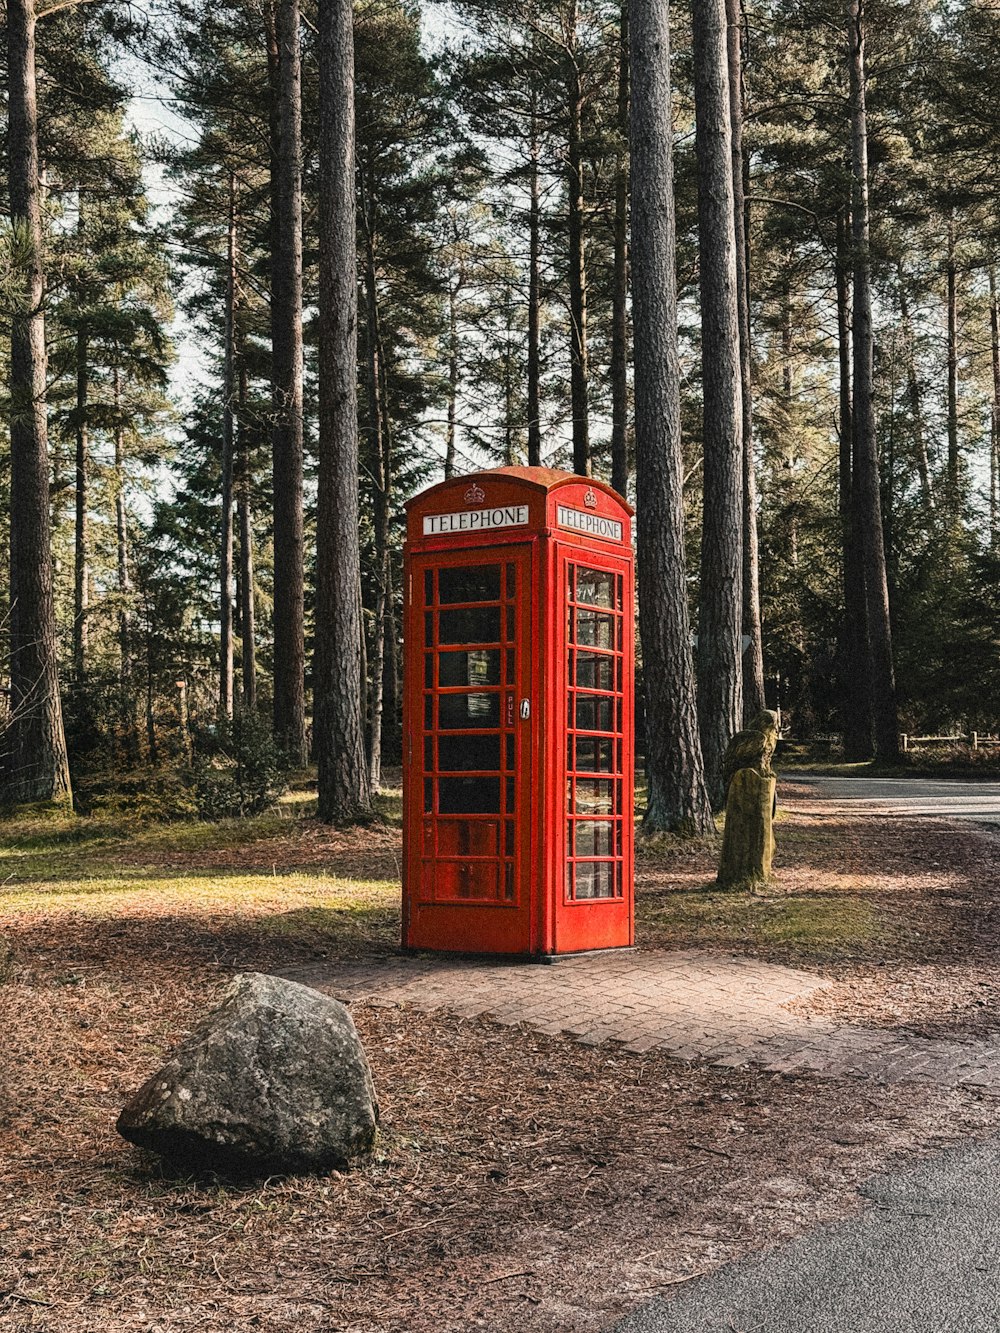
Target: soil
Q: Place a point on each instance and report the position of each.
(521, 1181)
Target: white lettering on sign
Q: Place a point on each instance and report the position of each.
(592, 524)
(476, 520)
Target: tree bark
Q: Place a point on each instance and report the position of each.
(228, 450)
(450, 436)
(344, 791)
(81, 544)
(579, 371)
(995, 413)
(129, 721)
(865, 481)
(36, 763)
(381, 468)
(856, 671)
(678, 798)
(248, 628)
(619, 290)
(753, 657)
(286, 440)
(916, 401)
(720, 668)
(954, 485)
(534, 367)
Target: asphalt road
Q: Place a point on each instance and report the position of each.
(941, 798)
(924, 1257)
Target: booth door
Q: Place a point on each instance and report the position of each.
(597, 896)
(470, 726)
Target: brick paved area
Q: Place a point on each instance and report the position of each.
(724, 1010)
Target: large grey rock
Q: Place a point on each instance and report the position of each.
(274, 1080)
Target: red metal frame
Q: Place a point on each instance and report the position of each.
(498, 857)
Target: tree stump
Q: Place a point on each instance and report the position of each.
(748, 836)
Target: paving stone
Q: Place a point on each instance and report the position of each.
(692, 1004)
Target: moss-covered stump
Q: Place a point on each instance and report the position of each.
(748, 836)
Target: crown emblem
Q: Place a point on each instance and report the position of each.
(475, 495)
(590, 499)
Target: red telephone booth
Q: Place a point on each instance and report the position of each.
(518, 715)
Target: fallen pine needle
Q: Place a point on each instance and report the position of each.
(18, 1296)
(521, 1272)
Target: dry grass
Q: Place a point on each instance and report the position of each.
(521, 1182)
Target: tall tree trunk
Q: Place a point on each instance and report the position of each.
(391, 701)
(954, 485)
(579, 371)
(855, 657)
(619, 289)
(995, 413)
(753, 657)
(720, 668)
(81, 544)
(379, 426)
(228, 450)
(534, 294)
(248, 628)
(450, 437)
(129, 719)
(344, 791)
(865, 481)
(36, 763)
(286, 440)
(916, 400)
(678, 798)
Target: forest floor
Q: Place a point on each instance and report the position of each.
(521, 1181)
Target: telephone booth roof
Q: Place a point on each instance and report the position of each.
(537, 487)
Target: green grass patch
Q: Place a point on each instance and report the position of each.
(817, 925)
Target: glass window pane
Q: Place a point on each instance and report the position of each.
(594, 712)
(510, 667)
(456, 712)
(511, 585)
(428, 756)
(458, 754)
(594, 837)
(594, 587)
(428, 794)
(466, 879)
(478, 666)
(479, 624)
(509, 838)
(593, 755)
(594, 672)
(429, 629)
(595, 879)
(510, 796)
(428, 712)
(468, 796)
(509, 752)
(428, 587)
(594, 796)
(428, 671)
(468, 837)
(469, 583)
(594, 629)
(510, 621)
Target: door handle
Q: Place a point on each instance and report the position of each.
(525, 708)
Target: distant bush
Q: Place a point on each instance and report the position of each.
(147, 795)
(238, 770)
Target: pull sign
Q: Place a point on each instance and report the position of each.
(510, 710)
(525, 708)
